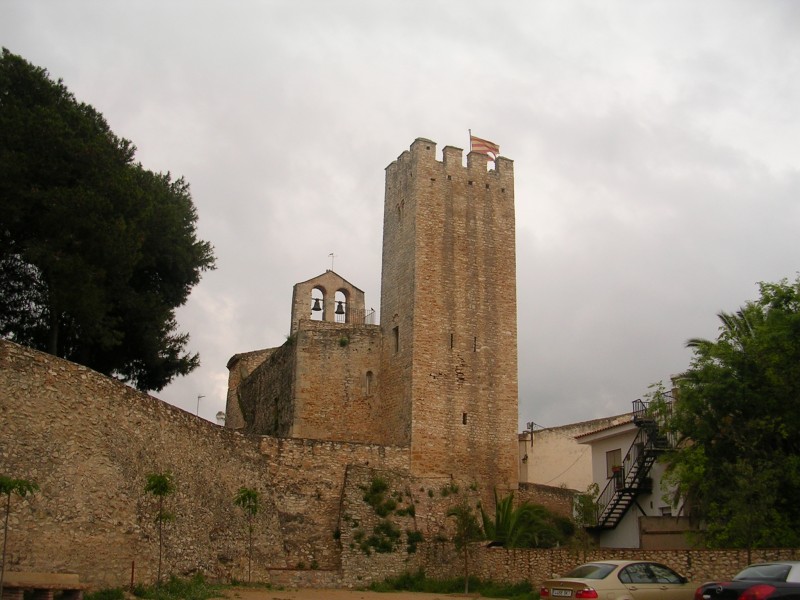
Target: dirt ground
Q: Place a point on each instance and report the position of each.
(257, 594)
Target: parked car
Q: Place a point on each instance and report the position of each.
(757, 582)
(620, 580)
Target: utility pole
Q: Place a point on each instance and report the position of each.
(197, 412)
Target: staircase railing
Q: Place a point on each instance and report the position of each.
(633, 476)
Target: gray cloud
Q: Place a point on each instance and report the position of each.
(655, 144)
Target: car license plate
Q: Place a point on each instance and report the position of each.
(561, 593)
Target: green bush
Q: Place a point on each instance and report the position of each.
(384, 538)
(409, 510)
(414, 538)
(385, 508)
(107, 594)
(450, 488)
(195, 588)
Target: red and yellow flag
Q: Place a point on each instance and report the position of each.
(477, 144)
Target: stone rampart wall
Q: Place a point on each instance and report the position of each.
(239, 367)
(266, 396)
(420, 512)
(89, 442)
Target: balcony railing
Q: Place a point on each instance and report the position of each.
(357, 316)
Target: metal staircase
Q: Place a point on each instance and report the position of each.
(633, 477)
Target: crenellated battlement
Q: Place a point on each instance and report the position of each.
(420, 161)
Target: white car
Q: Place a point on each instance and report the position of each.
(620, 580)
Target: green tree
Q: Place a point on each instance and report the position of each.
(18, 487)
(96, 252)
(736, 415)
(248, 500)
(585, 515)
(467, 531)
(527, 525)
(160, 485)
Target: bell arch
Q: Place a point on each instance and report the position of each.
(341, 314)
(317, 304)
(339, 300)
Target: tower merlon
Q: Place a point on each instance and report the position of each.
(422, 158)
(453, 157)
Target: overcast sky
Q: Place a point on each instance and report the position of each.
(656, 149)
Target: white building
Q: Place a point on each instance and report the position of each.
(552, 455)
(633, 509)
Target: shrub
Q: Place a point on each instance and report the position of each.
(195, 588)
(107, 594)
(414, 538)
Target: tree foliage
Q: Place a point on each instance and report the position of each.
(527, 525)
(96, 252)
(8, 487)
(737, 415)
(467, 530)
(248, 500)
(160, 485)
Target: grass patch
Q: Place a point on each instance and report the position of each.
(195, 588)
(418, 582)
(107, 594)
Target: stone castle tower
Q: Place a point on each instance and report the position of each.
(449, 312)
(439, 374)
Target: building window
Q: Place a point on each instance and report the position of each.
(396, 333)
(463, 418)
(613, 462)
(370, 383)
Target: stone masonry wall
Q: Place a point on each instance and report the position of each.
(417, 515)
(337, 384)
(328, 284)
(398, 273)
(449, 287)
(89, 442)
(558, 500)
(239, 367)
(266, 397)
(308, 480)
(534, 565)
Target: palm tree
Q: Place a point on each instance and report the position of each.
(526, 526)
(8, 486)
(247, 499)
(161, 486)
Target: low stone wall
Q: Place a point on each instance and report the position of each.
(559, 500)
(536, 565)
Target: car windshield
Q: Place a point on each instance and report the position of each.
(591, 571)
(765, 572)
